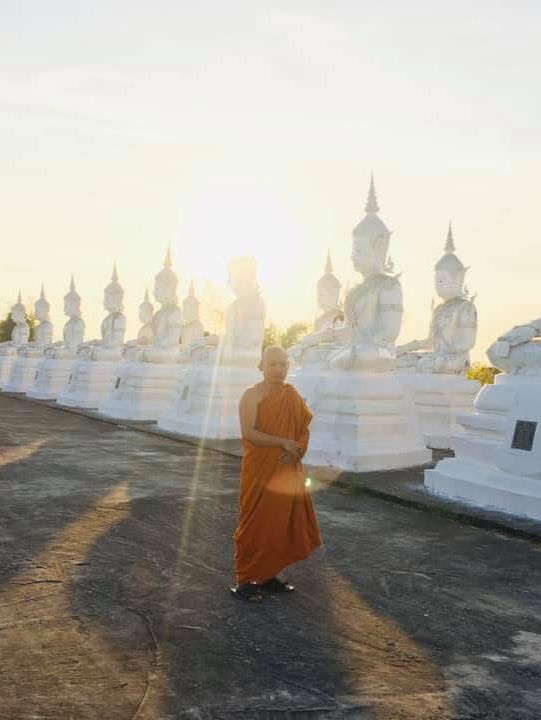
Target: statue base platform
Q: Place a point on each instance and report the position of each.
(206, 402)
(23, 374)
(363, 422)
(51, 378)
(90, 384)
(438, 399)
(6, 365)
(140, 391)
(497, 463)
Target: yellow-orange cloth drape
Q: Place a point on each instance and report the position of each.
(277, 523)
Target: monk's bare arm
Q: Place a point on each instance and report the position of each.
(248, 416)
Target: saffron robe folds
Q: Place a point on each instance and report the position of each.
(277, 523)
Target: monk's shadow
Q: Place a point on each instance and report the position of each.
(171, 561)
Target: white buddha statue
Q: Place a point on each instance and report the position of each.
(113, 327)
(453, 327)
(167, 322)
(315, 347)
(43, 334)
(74, 329)
(244, 322)
(20, 332)
(373, 309)
(518, 351)
(192, 327)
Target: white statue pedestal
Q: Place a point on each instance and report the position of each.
(51, 377)
(22, 374)
(141, 391)
(438, 399)
(497, 463)
(206, 402)
(91, 382)
(7, 361)
(364, 422)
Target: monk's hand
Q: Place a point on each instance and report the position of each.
(292, 452)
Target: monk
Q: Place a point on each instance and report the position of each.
(277, 525)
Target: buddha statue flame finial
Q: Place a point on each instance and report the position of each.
(328, 264)
(372, 201)
(450, 242)
(168, 259)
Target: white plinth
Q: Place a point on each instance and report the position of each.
(438, 400)
(487, 470)
(90, 384)
(6, 364)
(364, 422)
(141, 391)
(206, 402)
(50, 379)
(23, 374)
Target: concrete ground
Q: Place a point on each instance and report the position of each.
(115, 563)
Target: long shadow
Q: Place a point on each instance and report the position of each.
(170, 561)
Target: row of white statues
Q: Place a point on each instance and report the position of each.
(376, 405)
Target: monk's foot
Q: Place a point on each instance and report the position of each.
(249, 592)
(275, 585)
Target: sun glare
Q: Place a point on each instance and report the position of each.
(225, 221)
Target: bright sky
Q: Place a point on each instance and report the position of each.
(251, 126)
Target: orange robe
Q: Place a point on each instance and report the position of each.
(277, 523)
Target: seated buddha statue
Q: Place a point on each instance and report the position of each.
(20, 332)
(113, 327)
(373, 308)
(167, 322)
(43, 333)
(313, 348)
(453, 327)
(74, 329)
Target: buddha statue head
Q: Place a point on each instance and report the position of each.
(18, 311)
(243, 276)
(113, 294)
(166, 283)
(190, 307)
(72, 302)
(371, 239)
(449, 272)
(146, 310)
(328, 288)
(42, 307)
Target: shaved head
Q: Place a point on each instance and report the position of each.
(274, 363)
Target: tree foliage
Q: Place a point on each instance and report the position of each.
(286, 337)
(7, 325)
(484, 373)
